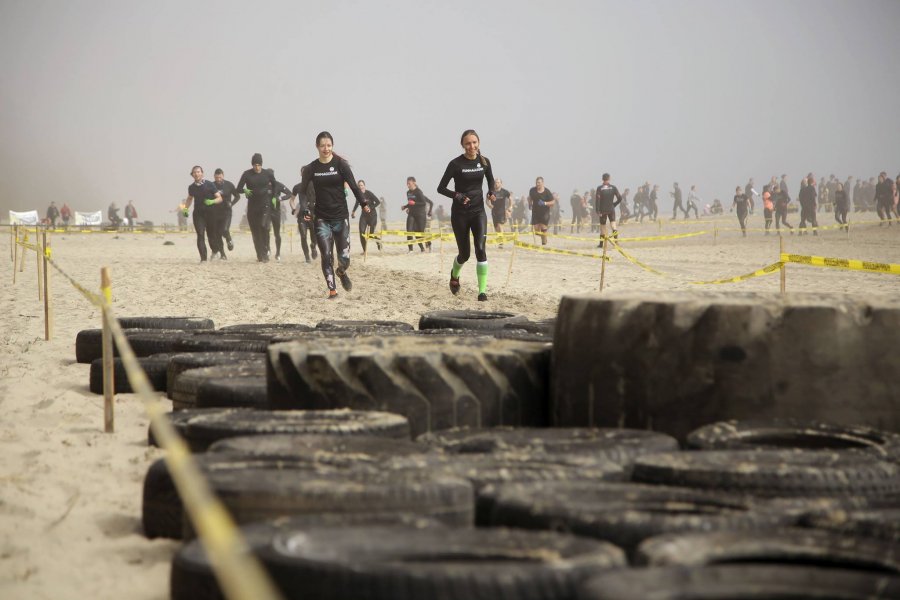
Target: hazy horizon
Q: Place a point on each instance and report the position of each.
(107, 101)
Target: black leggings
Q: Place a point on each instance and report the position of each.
(808, 213)
(781, 216)
(258, 218)
(226, 225)
(275, 217)
(367, 224)
(416, 222)
(306, 231)
(840, 212)
(742, 218)
(208, 222)
(331, 235)
(463, 223)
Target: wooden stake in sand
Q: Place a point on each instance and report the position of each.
(108, 380)
(13, 235)
(40, 280)
(512, 255)
(15, 253)
(603, 263)
(48, 329)
(715, 234)
(783, 266)
(22, 262)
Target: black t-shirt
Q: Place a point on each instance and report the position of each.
(260, 185)
(608, 197)
(229, 193)
(807, 196)
(540, 214)
(501, 201)
(371, 198)
(742, 202)
(417, 202)
(328, 180)
(205, 190)
(468, 176)
(304, 202)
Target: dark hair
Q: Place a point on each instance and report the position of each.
(323, 135)
(196, 167)
(469, 132)
(256, 159)
(410, 178)
(606, 177)
(361, 181)
(219, 172)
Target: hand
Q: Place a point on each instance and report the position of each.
(185, 212)
(274, 202)
(492, 197)
(353, 215)
(307, 216)
(209, 202)
(367, 209)
(428, 215)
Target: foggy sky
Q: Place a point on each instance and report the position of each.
(111, 101)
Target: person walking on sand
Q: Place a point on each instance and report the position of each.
(52, 214)
(768, 209)
(204, 196)
(807, 199)
(676, 201)
(841, 205)
(230, 197)
(742, 204)
(131, 215)
(328, 174)
(693, 202)
(781, 200)
(607, 198)
(540, 199)
(65, 213)
(469, 171)
(257, 185)
(302, 204)
(501, 207)
(418, 211)
(368, 221)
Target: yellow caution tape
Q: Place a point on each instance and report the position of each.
(635, 261)
(774, 267)
(842, 263)
(547, 250)
(632, 239)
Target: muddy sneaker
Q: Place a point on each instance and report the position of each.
(454, 286)
(332, 294)
(482, 297)
(345, 279)
(230, 245)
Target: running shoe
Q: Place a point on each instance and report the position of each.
(454, 286)
(482, 297)
(223, 257)
(230, 245)
(332, 294)
(345, 279)
(278, 257)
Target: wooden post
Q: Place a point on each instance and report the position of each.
(45, 246)
(15, 253)
(22, 260)
(107, 345)
(13, 236)
(512, 255)
(37, 257)
(715, 234)
(783, 272)
(659, 223)
(603, 262)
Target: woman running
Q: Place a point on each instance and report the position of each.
(742, 204)
(418, 211)
(841, 205)
(328, 173)
(368, 221)
(467, 213)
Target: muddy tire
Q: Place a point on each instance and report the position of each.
(794, 434)
(144, 342)
(266, 328)
(187, 385)
(154, 366)
(876, 523)
(787, 546)
(202, 427)
(620, 446)
(192, 576)
(184, 361)
(437, 383)
(622, 513)
(468, 319)
(728, 582)
(184, 323)
(412, 564)
(363, 327)
(678, 362)
(772, 472)
(323, 448)
(249, 342)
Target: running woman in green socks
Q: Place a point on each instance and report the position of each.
(468, 170)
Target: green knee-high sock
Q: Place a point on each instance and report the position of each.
(454, 272)
(481, 269)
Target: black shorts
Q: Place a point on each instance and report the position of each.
(606, 215)
(499, 218)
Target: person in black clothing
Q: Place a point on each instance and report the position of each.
(328, 174)
(884, 198)
(257, 184)
(501, 207)
(418, 210)
(742, 204)
(467, 214)
(623, 207)
(781, 200)
(305, 204)
(652, 198)
(540, 199)
(368, 221)
(608, 197)
(204, 195)
(676, 194)
(575, 203)
(841, 205)
(52, 214)
(279, 193)
(112, 213)
(230, 196)
(807, 199)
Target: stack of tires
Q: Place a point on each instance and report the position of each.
(375, 460)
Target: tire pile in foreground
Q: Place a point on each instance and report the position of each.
(371, 460)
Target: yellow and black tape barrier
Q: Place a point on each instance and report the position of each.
(649, 238)
(850, 264)
(547, 250)
(773, 268)
(238, 572)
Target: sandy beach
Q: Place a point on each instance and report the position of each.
(70, 495)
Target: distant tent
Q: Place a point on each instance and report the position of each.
(29, 217)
